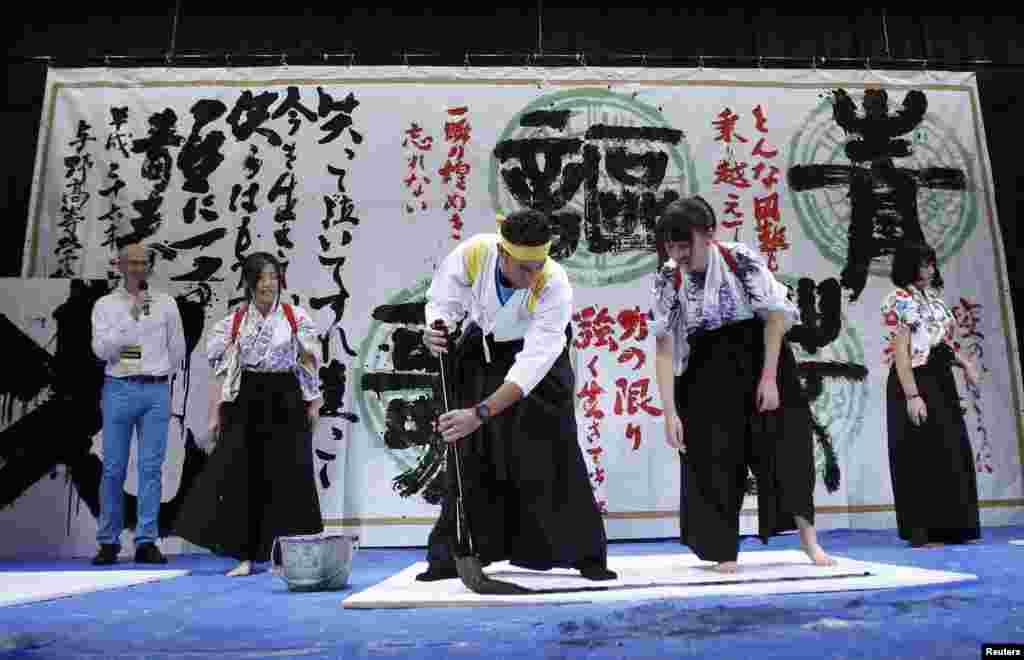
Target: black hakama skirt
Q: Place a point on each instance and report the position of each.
(258, 483)
(725, 435)
(934, 483)
(525, 484)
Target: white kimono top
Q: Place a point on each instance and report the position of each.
(265, 344)
(465, 284)
(719, 296)
(928, 318)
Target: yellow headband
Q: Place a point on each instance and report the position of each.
(523, 252)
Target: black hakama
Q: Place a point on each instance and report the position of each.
(932, 465)
(724, 434)
(258, 483)
(527, 492)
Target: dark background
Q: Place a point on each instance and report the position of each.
(203, 33)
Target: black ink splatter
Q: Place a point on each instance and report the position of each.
(556, 119)
(255, 112)
(75, 377)
(343, 120)
(200, 157)
(883, 197)
(617, 217)
(820, 314)
(204, 240)
(204, 269)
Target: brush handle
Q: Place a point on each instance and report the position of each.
(463, 536)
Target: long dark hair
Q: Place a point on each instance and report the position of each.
(907, 262)
(253, 267)
(679, 220)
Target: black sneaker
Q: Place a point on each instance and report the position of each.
(148, 553)
(107, 554)
(437, 570)
(593, 570)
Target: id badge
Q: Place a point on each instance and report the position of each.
(131, 358)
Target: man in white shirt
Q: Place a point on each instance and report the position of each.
(525, 485)
(138, 333)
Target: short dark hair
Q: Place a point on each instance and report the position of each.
(528, 227)
(678, 221)
(121, 242)
(254, 265)
(907, 262)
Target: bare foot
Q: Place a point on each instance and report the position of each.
(725, 567)
(818, 556)
(244, 568)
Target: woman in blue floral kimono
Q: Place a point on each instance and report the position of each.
(729, 385)
(265, 402)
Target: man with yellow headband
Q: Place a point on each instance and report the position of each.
(524, 482)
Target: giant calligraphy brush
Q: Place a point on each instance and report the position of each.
(467, 561)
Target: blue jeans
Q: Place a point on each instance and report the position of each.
(146, 408)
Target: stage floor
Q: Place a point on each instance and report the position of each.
(205, 614)
(653, 577)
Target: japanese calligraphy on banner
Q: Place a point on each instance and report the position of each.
(362, 179)
(730, 172)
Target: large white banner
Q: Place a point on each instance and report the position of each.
(362, 179)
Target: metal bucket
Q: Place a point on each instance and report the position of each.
(317, 562)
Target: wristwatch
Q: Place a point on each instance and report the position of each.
(482, 412)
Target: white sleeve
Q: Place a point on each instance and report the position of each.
(766, 293)
(217, 340)
(665, 305)
(308, 374)
(545, 338)
(668, 310)
(308, 334)
(449, 295)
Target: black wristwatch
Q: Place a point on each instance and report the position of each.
(482, 412)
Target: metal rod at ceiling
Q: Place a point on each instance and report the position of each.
(174, 29)
(885, 34)
(540, 31)
(754, 33)
(924, 38)
(593, 58)
(855, 37)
